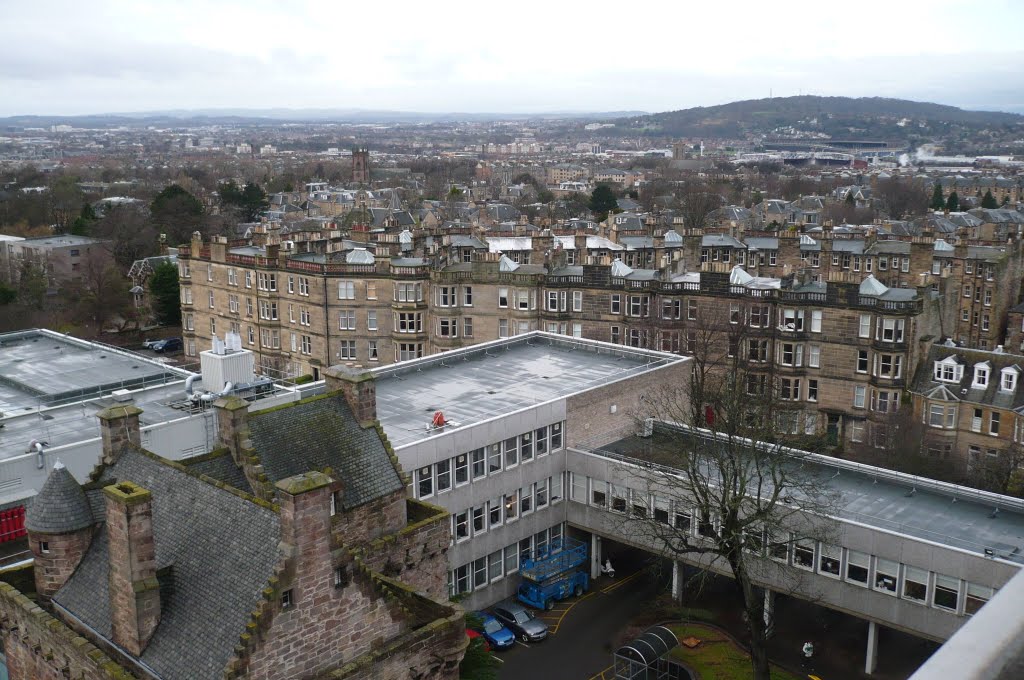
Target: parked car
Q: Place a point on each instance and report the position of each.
(520, 621)
(497, 635)
(168, 345)
(150, 344)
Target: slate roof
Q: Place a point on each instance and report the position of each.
(61, 505)
(220, 467)
(321, 433)
(221, 548)
(925, 383)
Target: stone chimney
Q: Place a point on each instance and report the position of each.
(119, 427)
(134, 589)
(579, 240)
(232, 415)
(359, 388)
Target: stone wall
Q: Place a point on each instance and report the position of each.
(39, 647)
(379, 517)
(65, 551)
(418, 554)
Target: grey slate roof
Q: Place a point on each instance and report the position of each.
(61, 505)
(221, 549)
(222, 468)
(925, 383)
(323, 433)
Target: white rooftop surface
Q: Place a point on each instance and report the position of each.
(497, 378)
(51, 387)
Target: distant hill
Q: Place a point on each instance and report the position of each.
(838, 117)
(191, 117)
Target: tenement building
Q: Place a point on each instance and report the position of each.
(289, 551)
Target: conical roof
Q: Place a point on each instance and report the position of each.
(60, 507)
(872, 286)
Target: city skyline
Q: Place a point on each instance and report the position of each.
(540, 59)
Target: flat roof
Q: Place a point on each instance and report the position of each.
(40, 367)
(922, 508)
(493, 379)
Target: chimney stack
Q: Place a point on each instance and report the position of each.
(134, 589)
(359, 388)
(119, 427)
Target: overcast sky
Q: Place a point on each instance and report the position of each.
(73, 57)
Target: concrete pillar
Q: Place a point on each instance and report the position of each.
(595, 556)
(769, 607)
(871, 657)
(678, 580)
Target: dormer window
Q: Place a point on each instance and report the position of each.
(981, 373)
(948, 370)
(1008, 379)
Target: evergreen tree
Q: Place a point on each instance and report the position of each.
(849, 198)
(938, 202)
(988, 200)
(953, 202)
(758, 198)
(163, 286)
(602, 201)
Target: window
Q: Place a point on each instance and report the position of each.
(425, 482)
(460, 525)
(503, 297)
(578, 487)
(615, 303)
(812, 390)
(735, 313)
(789, 389)
(526, 500)
(577, 301)
(948, 370)
(494, 565)
(467, 296)
(541, 438)
(884, 401)
(448, 328)
(947, 592)
(857, 567)
(981, 372)
(511, 447)
(942, 415)
(757, 350)
(977, 596)
(460, 580)
(346, 290)
(814, 356)
(523, 298)
(408, 292)
(993, 423)
(671, 309)
(791, 354)
(792, 320)
(479, 572)
(828, 560)
(859, 395)
(512, 558)
(691, 310)
(287, 599)
(405, 351)
(347, 349)
(467, 327)
(598, 494)
(304, 317)
(511, 506)
(862, 361)
(526, 447)
(889, 330)
(307, 345)
(44, 546)
(639, 305)
(803, 554)
(502, 328)
(478, 458)
(556, 436)
(494, 459)
(479, 519)
(444, 475)
(886, 574)
(291, 284)
(407, 322)
(303, 286)
(683, 521)
(495, 512)
(864, 330)
(541, 496)
(347, 319)
(857, 430)
(210, 296)
(371, 290)
(371, 350)
(816, 321)
(760, 316)
(915, 584)
(446, 296)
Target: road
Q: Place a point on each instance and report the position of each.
(582, 632)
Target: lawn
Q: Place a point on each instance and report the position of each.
(717, 657)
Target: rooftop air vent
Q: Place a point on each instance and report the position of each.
(121, 396)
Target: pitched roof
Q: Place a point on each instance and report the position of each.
(321, 433)
(221, 548)
(60, 507)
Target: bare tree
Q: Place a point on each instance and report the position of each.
(717, 467)
(697, 201)
(903, 197)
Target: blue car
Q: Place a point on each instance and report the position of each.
(497, 635)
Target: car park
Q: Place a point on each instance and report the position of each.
(497, 635)
(520, 621)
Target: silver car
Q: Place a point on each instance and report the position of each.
(520, 621)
